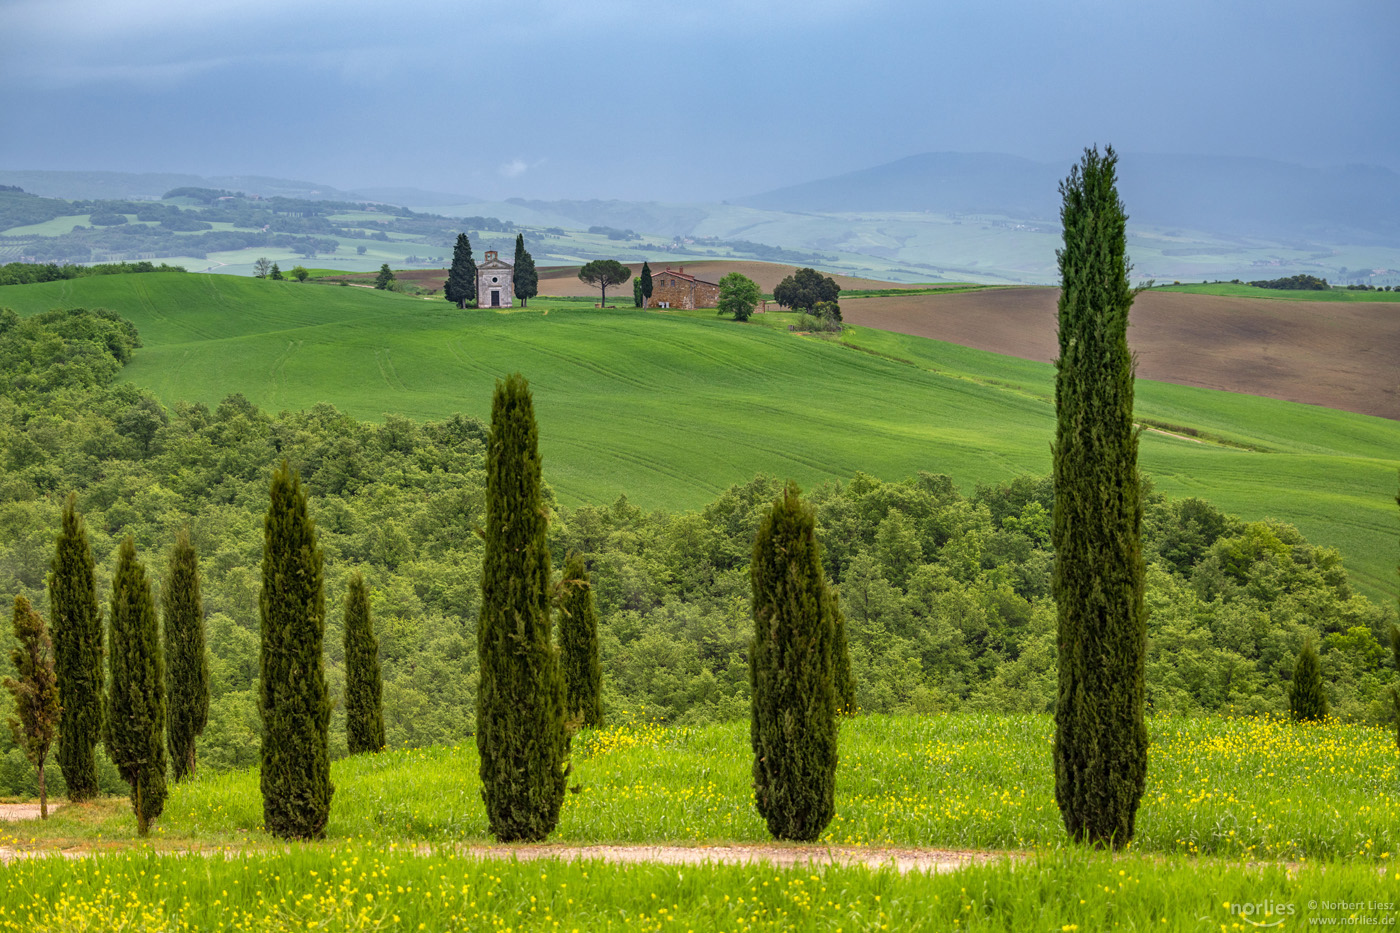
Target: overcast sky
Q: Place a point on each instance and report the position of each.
(695, 100)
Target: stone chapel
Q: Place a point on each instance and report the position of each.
(495, 282)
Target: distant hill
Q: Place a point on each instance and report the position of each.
(1235, 196)
(145, 185)
(410, 197)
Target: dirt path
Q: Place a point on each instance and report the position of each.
(776, 856)
(13, 812)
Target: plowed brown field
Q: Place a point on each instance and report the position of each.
(1343, 355)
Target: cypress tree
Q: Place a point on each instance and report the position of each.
(1307, 698)
(35, 692)
(186, 659)
(646, 283)
(293, 700)
(1100, 736)
(578, 643)
(77, 649)
(520, 729)
(364, 719)
(1395, 691)
(524, 279)
(461, 278)
(842, 680)
(136, 697)
(793, 721)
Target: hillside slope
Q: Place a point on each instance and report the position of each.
(670, 409)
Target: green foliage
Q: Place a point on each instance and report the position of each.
(842, 680)
(1307, 698)
(578, 645)
(637, 299)
(460, 287)
(1309, 283)
(600, 273)
(106, 219)
(793, 720)
(385, 278)
(293, 700)
(276, 273)
(520, 730)
(300, 273)
(738, 295)
(135, 722)
(35, 692)
(645, 280)
(27, 273)
(364, 716)
(1394, 691)
(1100, 736)
(77, 631)
(262, 267)
(805, 289)
(524, 279)
(186, 656)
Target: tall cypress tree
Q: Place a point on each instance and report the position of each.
(524, 279)
(520, 700)
(793, 722)
(364, 719)
(136, 697)
(1100, 735)
(186, 658)
(646, 283)
(1307, 697)
(35, 722)
(77, 648)
(461, 278)
(1395, 690)
(293, 700)
(578, 643)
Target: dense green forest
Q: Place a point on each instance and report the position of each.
(946, 591)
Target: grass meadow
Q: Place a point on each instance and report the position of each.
(1233, 788)
(671, 409)
(1245, 821)
(1230, 290)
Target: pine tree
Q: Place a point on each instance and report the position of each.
(364, 719)
(524, 279)
(842, 680)
(35, 693)
(1100, 735)
(385, 278)
(793, 721)
(1307, 697)
(578, 644)
(293, 700)
(186, 658)
(646, 283)
(520, 699)
(461, 278)
(77, 651)
(136, 689)
(276, 274)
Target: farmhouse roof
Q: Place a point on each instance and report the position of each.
(682, 274)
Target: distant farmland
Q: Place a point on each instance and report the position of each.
(1335, 354)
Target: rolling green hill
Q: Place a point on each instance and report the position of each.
(670, 409)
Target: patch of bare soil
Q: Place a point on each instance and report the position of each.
(1335, 354)
(13, 812)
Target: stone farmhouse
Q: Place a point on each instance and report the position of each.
(675, 289)
(495, 282)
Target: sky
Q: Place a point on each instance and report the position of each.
(680, 101)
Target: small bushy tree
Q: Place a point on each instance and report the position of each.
(77, 646)
(578, 644)
(364, 717)
(738, 295)
(276, 273)
(1395, 690)
(262, 267)
(35, 692)
(136, 689)
(804, 289)
(186, 656)
(793, 721)
(293, 699)
(1307, 697)
(385, 278)
(842, 680)
(602, 273)
(520, 730)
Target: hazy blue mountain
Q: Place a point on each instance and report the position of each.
(124, 185)
(1235, 196)
(410, 197)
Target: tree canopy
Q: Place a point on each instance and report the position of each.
(805, 288)
(602, 273)
(738, 295)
